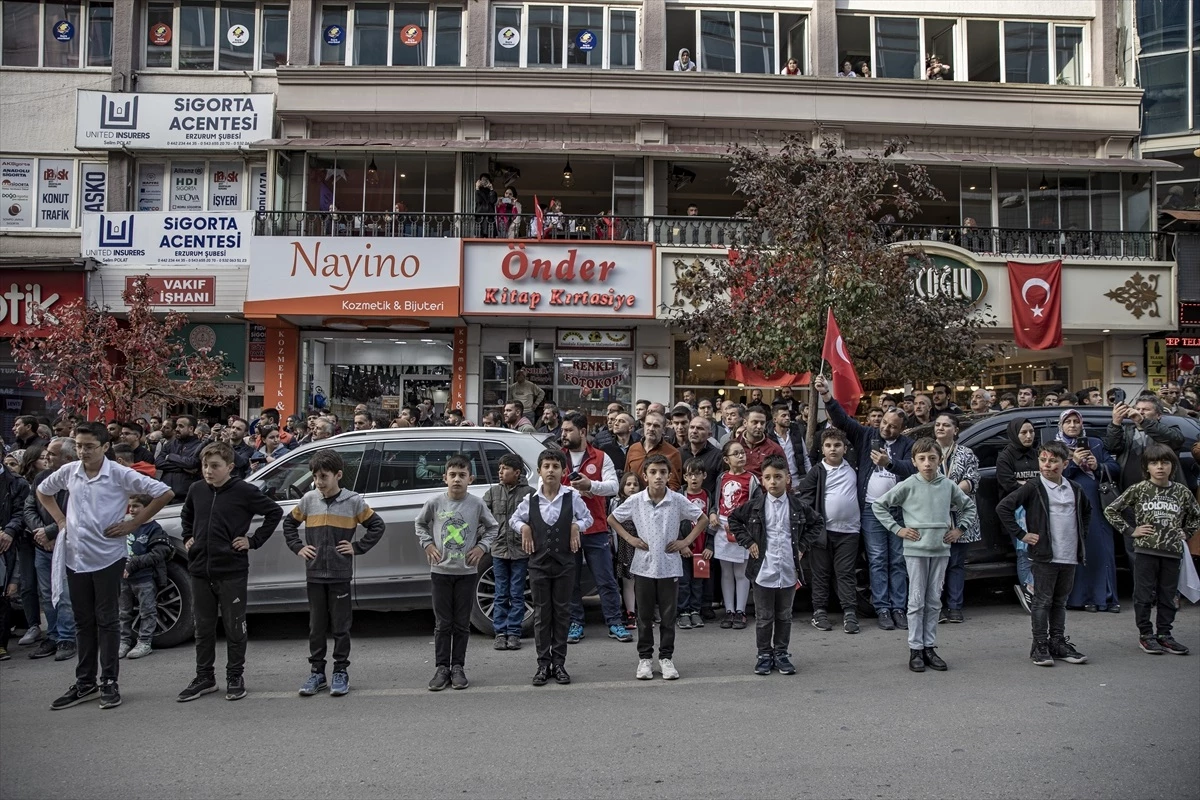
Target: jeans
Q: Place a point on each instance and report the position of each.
(330, 610)
(508, 612)
(60, 619)
(143, 595)
(956, 575)
(597, 548)
(6, 559)
(664, 593)
(773, 619)
(1155, 582)
(885, 556)
(691, 591)
(551, 586)
(1024, 571)
(95, 599)
(1048, 611)
(452, 598)
(228, 598)
(835, 564)
(925, 577)
(28, 584)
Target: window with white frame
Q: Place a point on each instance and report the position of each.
(1169, 65)
(214, 35)
(565, 36)
(197, 184)
(49, 193)
(965, 49)
(56, 35)
(373, 34)
(737, 40)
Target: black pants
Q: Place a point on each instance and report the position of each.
(1155, 576)
(1048, 611)
(28, 586)
(329, 611)
(835, 563)
(7, 559)
(551, 587)
(773, 619)
(452, 598)
(691, 590)
(648, 593)
(96, 598)
(226, 597)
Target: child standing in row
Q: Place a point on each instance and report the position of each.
(631, 484)
(510, 563)
(691, 588)
(149, 551)
(735, 486)
(831, 489)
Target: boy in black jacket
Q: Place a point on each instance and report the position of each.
(830, 489)
(146, 567)
(777, 528)
(216, 517)
(1056, 519)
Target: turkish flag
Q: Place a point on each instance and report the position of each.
(1036, 292)
(541, 222)
(847, 389)
(749, 376)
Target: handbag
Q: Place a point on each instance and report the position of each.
(1109, 491)
(1189, 581)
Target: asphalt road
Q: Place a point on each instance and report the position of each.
(853, 723)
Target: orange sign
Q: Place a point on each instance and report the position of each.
(282, 370)
(458, 385)
(410, 35)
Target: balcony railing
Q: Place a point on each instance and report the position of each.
(714, 232)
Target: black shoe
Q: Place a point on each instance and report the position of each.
(727, 622)
(501, 642)
(783, 663)
(45, 649)
(1115, 608)
(1167, 643)
(1150, 646)
(850, 624)
(110, 695)
(561, 676)
(916, 660)
(458, 678)
(1039, 654)
(75, 695)
(197, 687)
(514, 642)
(900, 619)
(764, 665)
(884, 620)
(820, 621)
(1091, 608)
(235, 688)
(541, 676)
(933, 660)
(707, 613)
(66, 651)
(440, 679)
(1062, 650)
(739, 620)
(954, 615)
(943, 615)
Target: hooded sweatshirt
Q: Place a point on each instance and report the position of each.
(1016, 463)
(679, 66)
(926, 506)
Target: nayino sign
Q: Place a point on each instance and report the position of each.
(115, 120)
(156, 238)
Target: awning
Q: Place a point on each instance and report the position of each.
(1187, 216)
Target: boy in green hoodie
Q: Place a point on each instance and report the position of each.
(1165, 515)
(926, 500)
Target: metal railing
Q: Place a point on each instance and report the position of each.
(1016, 242)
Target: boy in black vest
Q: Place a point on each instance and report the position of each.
(550, 521)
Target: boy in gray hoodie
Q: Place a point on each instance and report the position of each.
(926, 500)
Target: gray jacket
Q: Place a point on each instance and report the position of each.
(502, 501)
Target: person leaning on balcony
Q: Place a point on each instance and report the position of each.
(485, 207)
(847, 71)
(684, 63)
(864, 69)
(935, 70)
(790, 68)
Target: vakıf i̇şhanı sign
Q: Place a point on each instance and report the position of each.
(137, 120)
(158, 238)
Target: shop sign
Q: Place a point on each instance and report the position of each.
(585, 41)
(179, 290)
(1183, 341)
(160, 34)
(16, 193)
(228, 340)
(458, 383)
(54, 192)
(584, 339)
(1156, 363)
(151, 178)
(258, 188)
(282, 368)
(202, 238)
(64, 30)
(159, 121)
(590, 374)
(355, 276)
(503, 278)
(187, 185)
(950, 277)
(225, 187)
(21, 291)
(95, 187)
(334, 35)
(411, 35)
(258, 343)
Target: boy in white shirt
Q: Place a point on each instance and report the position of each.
(831, 489)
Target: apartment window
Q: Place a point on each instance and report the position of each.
(67, 35)
(1026, 53)
(48, 193)
(728, 40)
(564, 36)
(1168, 65)
(390, 34)
(199, 185)
(214, 35)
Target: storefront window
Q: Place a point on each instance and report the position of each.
(357, 181)
(207, 35)
(382, 372)
(64, 35)
(584, 381)
(390, 34)
(707, 374)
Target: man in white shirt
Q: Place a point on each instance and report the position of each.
(91, 549)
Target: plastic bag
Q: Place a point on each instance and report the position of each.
(1189, 581)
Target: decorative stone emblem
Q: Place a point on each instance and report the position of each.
(1139, 295)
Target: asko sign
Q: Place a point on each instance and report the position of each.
(175, 291)
(565, 279)
(21, 291)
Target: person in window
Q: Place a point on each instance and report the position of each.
(508, 213)
(790, 68)
(485, 207)
(555, 221)
(847, 71)
(935, 70)
(684, 63)
(606, 226)
(864, 69)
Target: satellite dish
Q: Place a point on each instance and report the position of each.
(527, 354)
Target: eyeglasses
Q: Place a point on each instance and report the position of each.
(87, 448)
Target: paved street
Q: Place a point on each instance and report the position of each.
(853, 723)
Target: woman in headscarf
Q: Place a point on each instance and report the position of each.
(1095, 586)
(1017, 463)
(961, 466)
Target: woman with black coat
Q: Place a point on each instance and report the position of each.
(1017, 463)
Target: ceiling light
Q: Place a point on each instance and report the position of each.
(344, 324)
(1106, 330)
(401, 324)
(372, 172)
(1045, 184)
(568, 179)
(428, 341)
(971, 188)
(402, 175)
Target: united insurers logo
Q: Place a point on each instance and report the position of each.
(116, 232)
(116, 116)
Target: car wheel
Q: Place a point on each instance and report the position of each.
(175, 624)
(485, 601)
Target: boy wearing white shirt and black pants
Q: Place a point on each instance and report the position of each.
(830, 489)
(92, 540)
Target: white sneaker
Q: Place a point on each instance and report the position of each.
(123, 650)
(645, 670)
(32, 636)
(669, 672)
(141, 650)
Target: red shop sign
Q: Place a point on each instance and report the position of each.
(23, 290)
(179, 290)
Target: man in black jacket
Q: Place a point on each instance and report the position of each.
(13, 491)
(60, 618)
(178, 461)
(242, 452)
(790, 438)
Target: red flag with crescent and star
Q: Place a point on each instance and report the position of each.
(847, 389)
(1036, 292)
(541, 221)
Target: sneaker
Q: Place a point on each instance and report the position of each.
(315, 683)
(124, 649)
(561, 677)
(684, 622)
(884, 620)
(1166, 642)
(739, 621)
(574, 633)
(943, 615)
(75, 695)
(820, 621)
(1024, 597)
(764, 665)
(669, 672)
(783, 663)
(501, 642)
(541, 676)
(110, 695)
(458, 678)
(1150, 645)
(697, 620)
(514, 642)
(1063, 650)
(850, 624)
(620, 633)
(66, 651)
(645, 670)
(916, 660)
(933, 660)
(32, 636)
(900, 619)
(706, 613)
(141, 650)
(235, 687)
(954, 615)
(440, 679)
(1115, 608)
(4, 656)
(727, 620)
(45, 649)
(341, 685)
(1040, 654)
(197, 687)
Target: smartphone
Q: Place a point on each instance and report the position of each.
(574, 476)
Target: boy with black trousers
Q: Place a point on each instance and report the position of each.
(216, 517)
(330, 515)
(1056, 519)
(691, 588)
(145, 569)
(510, 563)
(830, 489)
(550, 521)
(777, 528)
